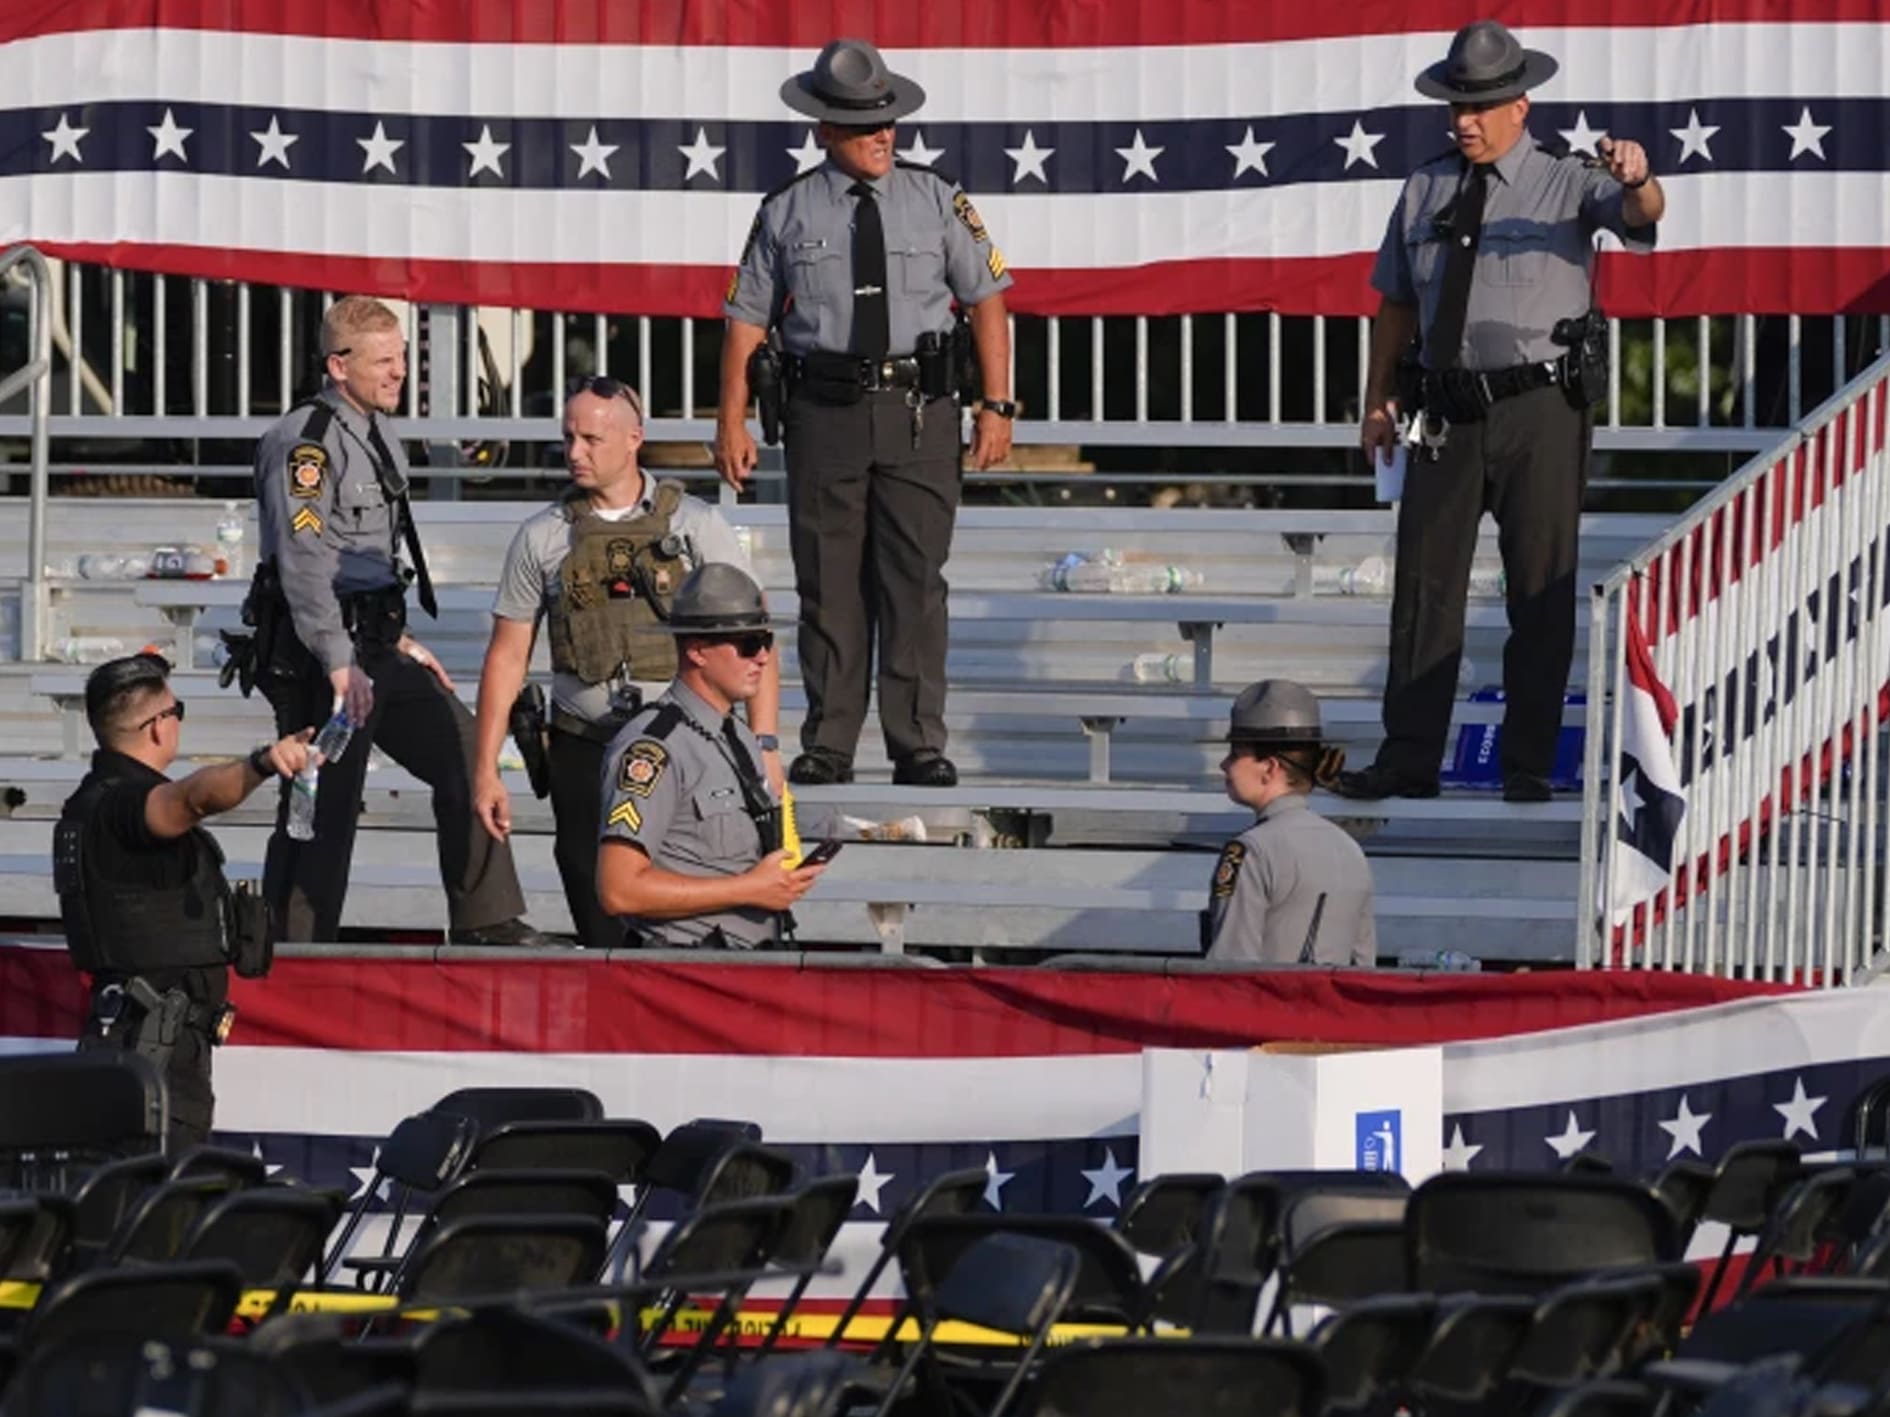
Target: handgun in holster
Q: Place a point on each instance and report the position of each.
(251, 655)
(531, 728)
(765, 380)
(1585, 366)
(161, 1022)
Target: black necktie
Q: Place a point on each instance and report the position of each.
(394, 488)
(872, 334)
(1445, 344)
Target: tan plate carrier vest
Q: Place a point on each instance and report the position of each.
(615, 590)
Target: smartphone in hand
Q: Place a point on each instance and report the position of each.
(822, 852)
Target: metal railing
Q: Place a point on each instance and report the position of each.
(1763, 612)
(36, 376)
(1705, 384)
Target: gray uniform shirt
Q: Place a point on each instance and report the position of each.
(679, 799)
(1267, 886)
(325, 520)
(529, 580)
(1535, 261)
(801, 245)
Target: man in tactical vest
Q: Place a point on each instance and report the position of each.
(147, 911)
(691, 851)
(329, 607)
(601, 566)
(1292, 888)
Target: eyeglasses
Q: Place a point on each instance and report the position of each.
(749, 646)
(175, 711)
(606, 387)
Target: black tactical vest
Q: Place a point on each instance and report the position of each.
(117, 928)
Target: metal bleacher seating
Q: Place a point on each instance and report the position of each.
(1097, 778)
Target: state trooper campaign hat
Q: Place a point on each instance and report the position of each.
(1485, 65)
(850, 85)
(717, 599)
(1277, 712)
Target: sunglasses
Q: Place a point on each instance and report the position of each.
(861, 130)
(748, 646)
(606, 387)
(175, 711)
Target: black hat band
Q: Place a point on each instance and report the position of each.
(1485, 85)
(859, 104)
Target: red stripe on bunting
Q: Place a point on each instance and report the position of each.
(579, 1005)
(1762, 281)
(891, 23)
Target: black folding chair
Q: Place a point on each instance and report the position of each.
(35, 1238)
(488, 1255)
(1473, 1342)
(1337, 1244)
(1684, 1185)
(1605, 1397)
(1162, 1214)
(1585, 1331)
(105, 1198)
(1750, 1180)
(1528, 1233)
(1870, 1120)
(62, 1114)
(1011, 1283)
(819, 1209)
(494, 1356)
(421, 1155)
(619, 1147)
(588, 1195)
(239, 1168)
(162, 1220)
(273, 1236)
(169, 1301)
(1370, 1349)
(1203, 1377)
(490, 1107)
(817, 1384)
(708, 1162)
(1805, 1219)
(94, 1373)
(953, 1193)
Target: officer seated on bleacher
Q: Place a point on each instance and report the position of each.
(147, 910)
(1292, 888)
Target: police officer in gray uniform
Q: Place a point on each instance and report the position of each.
(602, 564)
(858, 262)
(691, 851)
(1292, 888)
(330, 609)
(1490, 253)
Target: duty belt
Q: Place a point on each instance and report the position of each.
(1465, 395)
(896, 372)
(592, 730)
(375, 616)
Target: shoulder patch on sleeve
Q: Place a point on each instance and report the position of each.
(305, 520)
(968, 214)
(308, 468)
(1227, 872)
(644, 763)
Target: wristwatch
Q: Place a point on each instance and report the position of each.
(259, 760)
(769, 743)
(1003, 408)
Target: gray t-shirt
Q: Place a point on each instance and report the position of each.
(528, 583)
(1268, 886)
(1535, 257)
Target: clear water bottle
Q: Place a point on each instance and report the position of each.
(1159, 669)
(1488, 581)
(1372, 576)
(230, 532)
(89, 649)
(1101, 576)
(1445, 961)
(329, 744)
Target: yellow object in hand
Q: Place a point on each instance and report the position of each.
(790, 831)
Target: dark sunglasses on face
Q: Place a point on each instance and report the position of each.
(748, 646)
(175, 711)
(861, 130)
(606, 387)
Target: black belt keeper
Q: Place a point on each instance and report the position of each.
(1465, 395)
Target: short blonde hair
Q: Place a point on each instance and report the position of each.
(351, 317)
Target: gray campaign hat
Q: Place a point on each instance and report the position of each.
(851, 85)
(717, 599)
(1485, 65)
(1275, 711)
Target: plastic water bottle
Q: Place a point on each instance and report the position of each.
(101, 566)
(89, 649)
(1159, 669)
(1093, 576)
(1490, 581)
(1446, 961)
(329, 744)
(230, 532)
(1372, 576)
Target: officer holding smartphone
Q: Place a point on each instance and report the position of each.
(691, 855)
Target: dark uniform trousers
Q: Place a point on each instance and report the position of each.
(870, 520)
(577, 806)
(187, 1078)
(1526, 463)
(426, 730)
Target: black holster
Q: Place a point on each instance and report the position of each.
(766, 381)
(1407, 380)
(1585, 366)
(938, 372)
(530, 728)
(965, 360)
(252, 944)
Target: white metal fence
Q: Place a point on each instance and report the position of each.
(146, 356)
(1764, 611)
